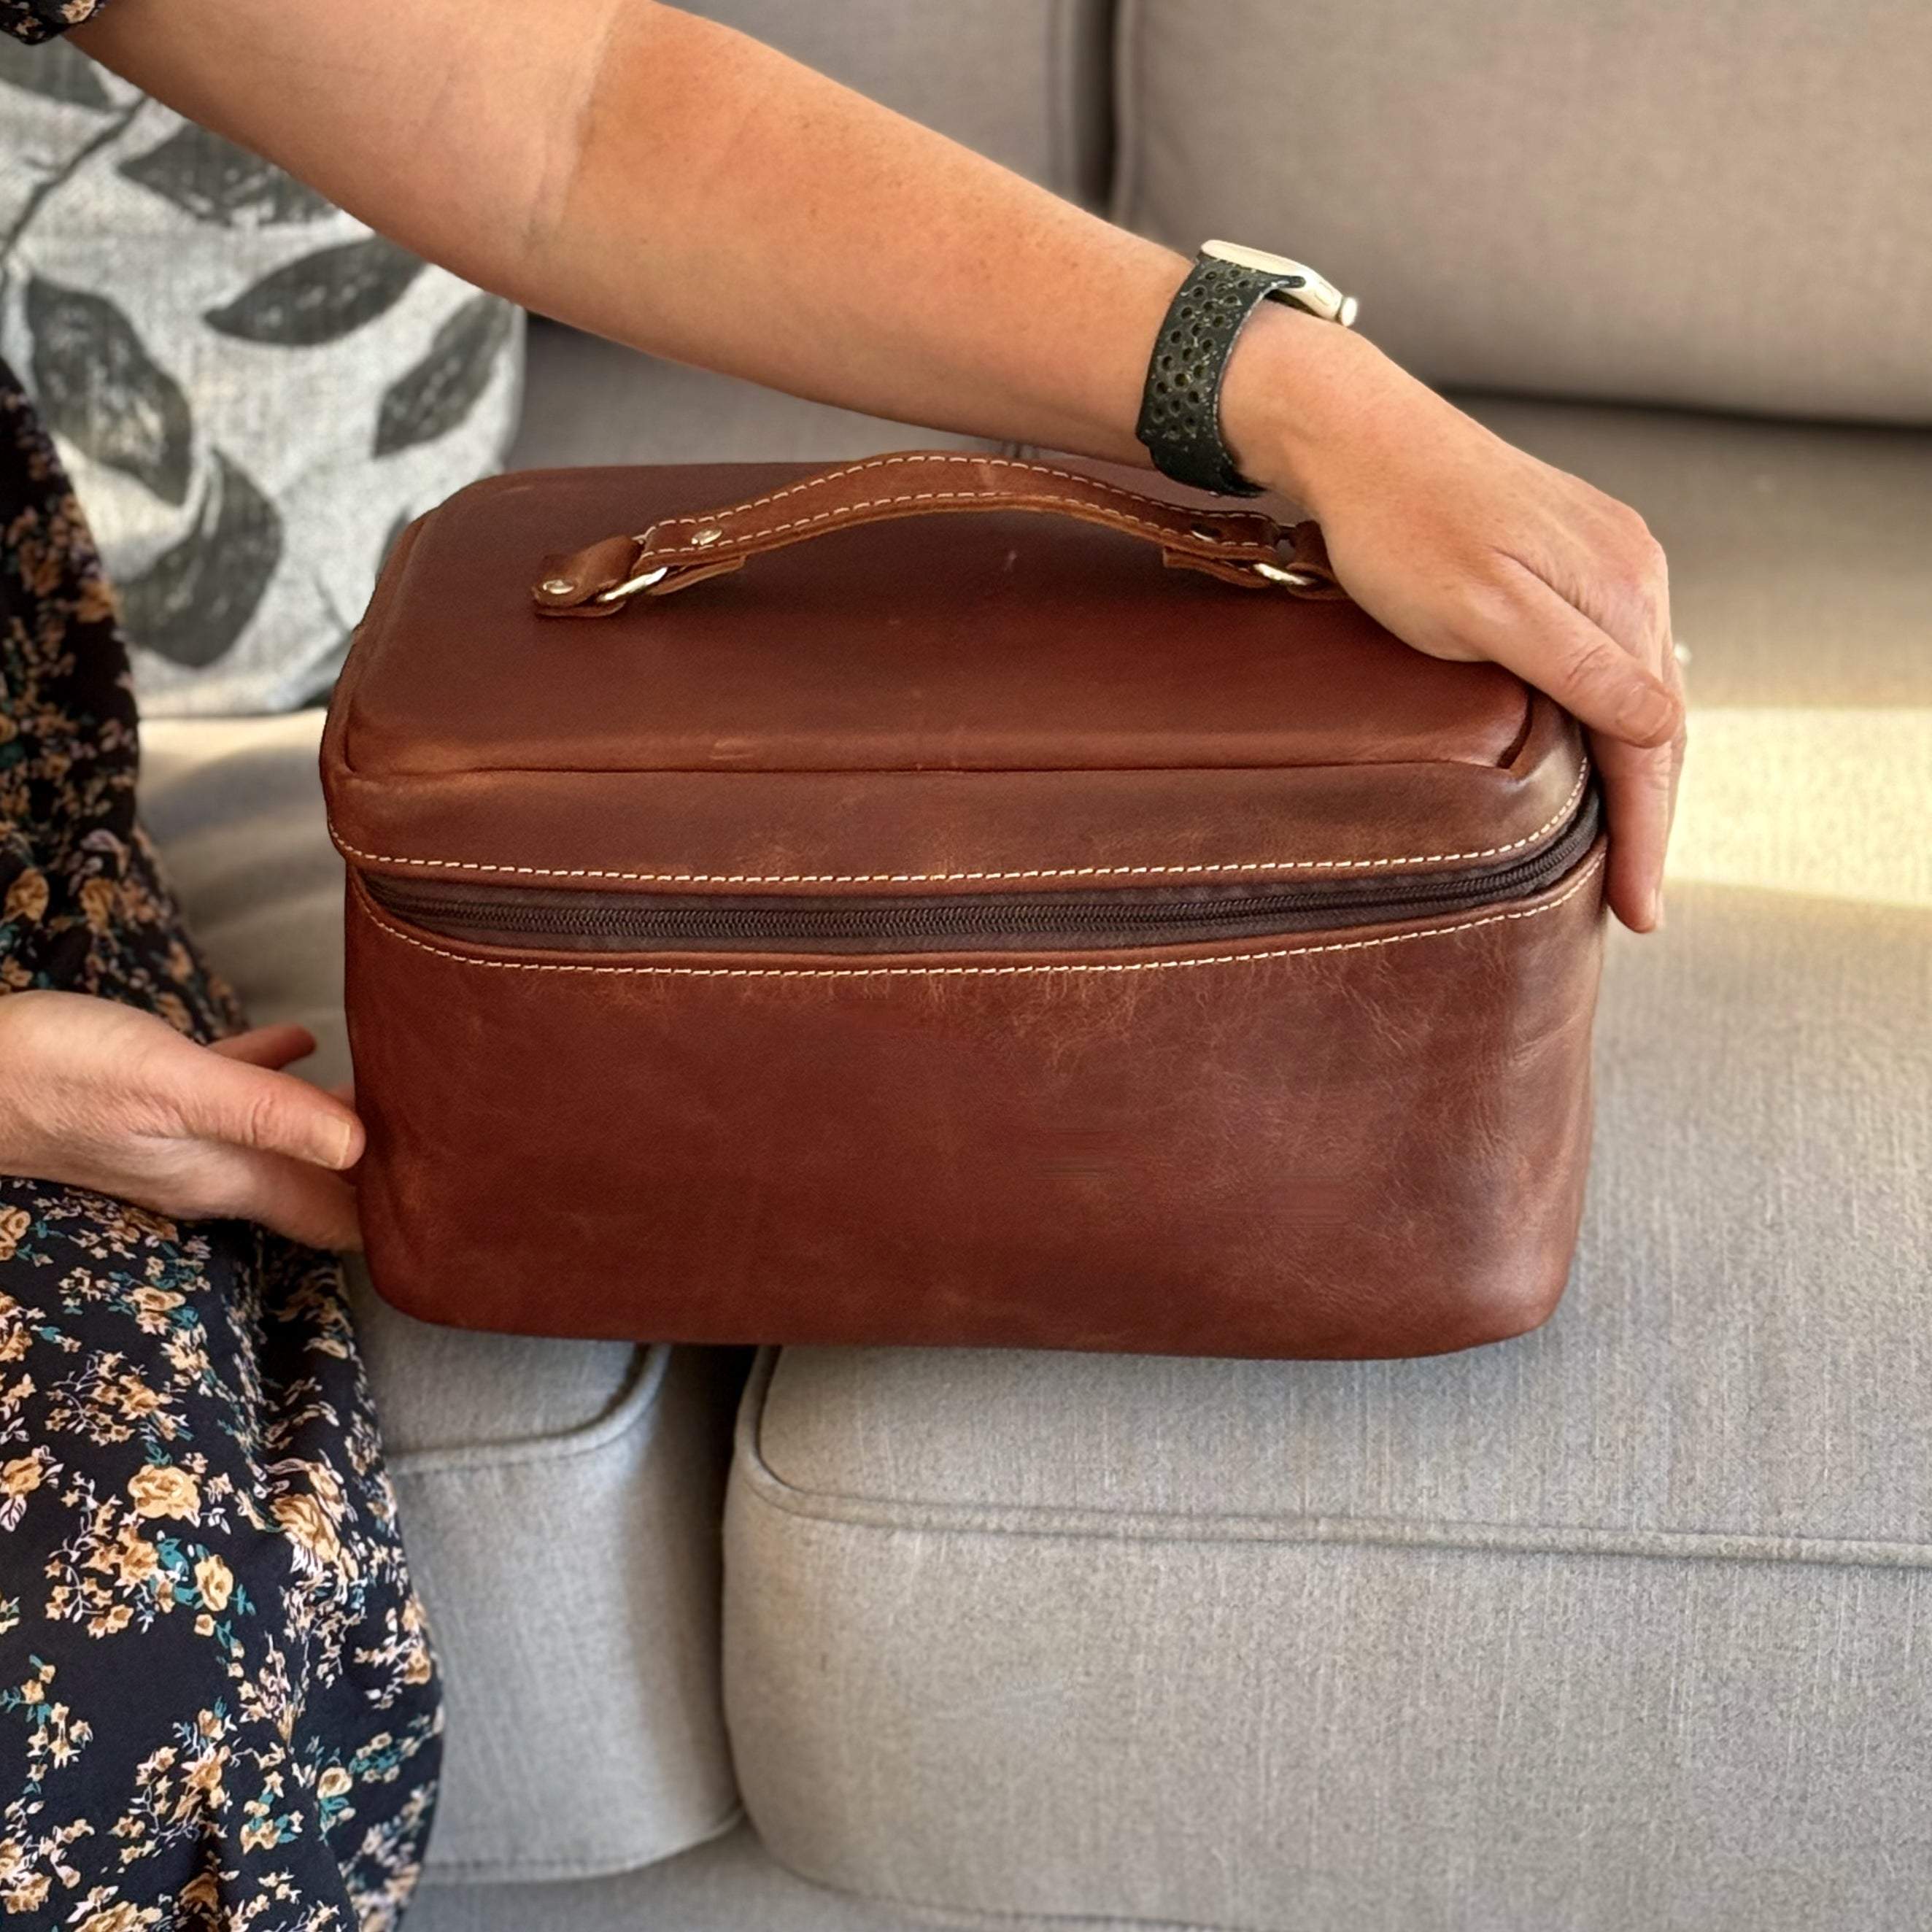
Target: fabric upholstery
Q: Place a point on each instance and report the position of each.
(732, 1884)
(1728, 204)
(559, 1499)
(1798, 553)
(572, 1589)
(1621, 1624)
(587, 400)
(1022, 81)
(1801, 563)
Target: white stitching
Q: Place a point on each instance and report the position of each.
(1205, 869)
(1219, 546)
(975, 972)
(991, 462)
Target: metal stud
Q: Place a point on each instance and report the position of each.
(557, 586)
(708, 534)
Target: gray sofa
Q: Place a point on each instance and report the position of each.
(1627, 1625)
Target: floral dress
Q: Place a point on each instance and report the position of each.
(218, 1704)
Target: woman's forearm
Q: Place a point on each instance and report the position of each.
(806, 237)
(668, 182)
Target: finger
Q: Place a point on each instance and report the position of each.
(1643, 786)
(1673, 671)
(291, 1197)
(1628, 594)
(272, 1046)
(1551, 644)
(1639, 785)
(252, 1107)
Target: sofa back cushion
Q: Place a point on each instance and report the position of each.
(1726, 205)
(1023, 81)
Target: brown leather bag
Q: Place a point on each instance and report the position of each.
(1085, 930)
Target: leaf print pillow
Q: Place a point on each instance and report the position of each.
(254, 393)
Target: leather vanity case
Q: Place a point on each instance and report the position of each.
(1073, 924)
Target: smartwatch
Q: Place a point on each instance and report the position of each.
(1180, 407)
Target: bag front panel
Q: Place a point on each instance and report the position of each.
(1366, 1142)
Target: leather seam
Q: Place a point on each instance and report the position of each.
(383, 925)
(674, 553)
(1178, 510)
(1203, 869)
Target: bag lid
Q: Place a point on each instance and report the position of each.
(915, 699)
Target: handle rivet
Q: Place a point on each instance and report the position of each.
(708, 534)
(558, 587)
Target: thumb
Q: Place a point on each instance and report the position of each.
(292, 1197)
(256, 1108)
(317, 1209)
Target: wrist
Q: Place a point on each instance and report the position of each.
(1296, 387)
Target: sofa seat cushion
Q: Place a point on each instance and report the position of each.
(1621, 1624)
(559, 1499)
(732, 1884)
(1625, 1624)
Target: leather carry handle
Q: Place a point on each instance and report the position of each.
(1241, 547)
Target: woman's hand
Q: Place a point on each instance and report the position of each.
(98, 1095)
(1467, 547)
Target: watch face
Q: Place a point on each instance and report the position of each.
(1308, 288)
(1253, 258)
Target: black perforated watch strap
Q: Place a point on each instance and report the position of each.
(1180, 408)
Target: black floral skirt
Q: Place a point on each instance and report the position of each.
(218, 1705)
